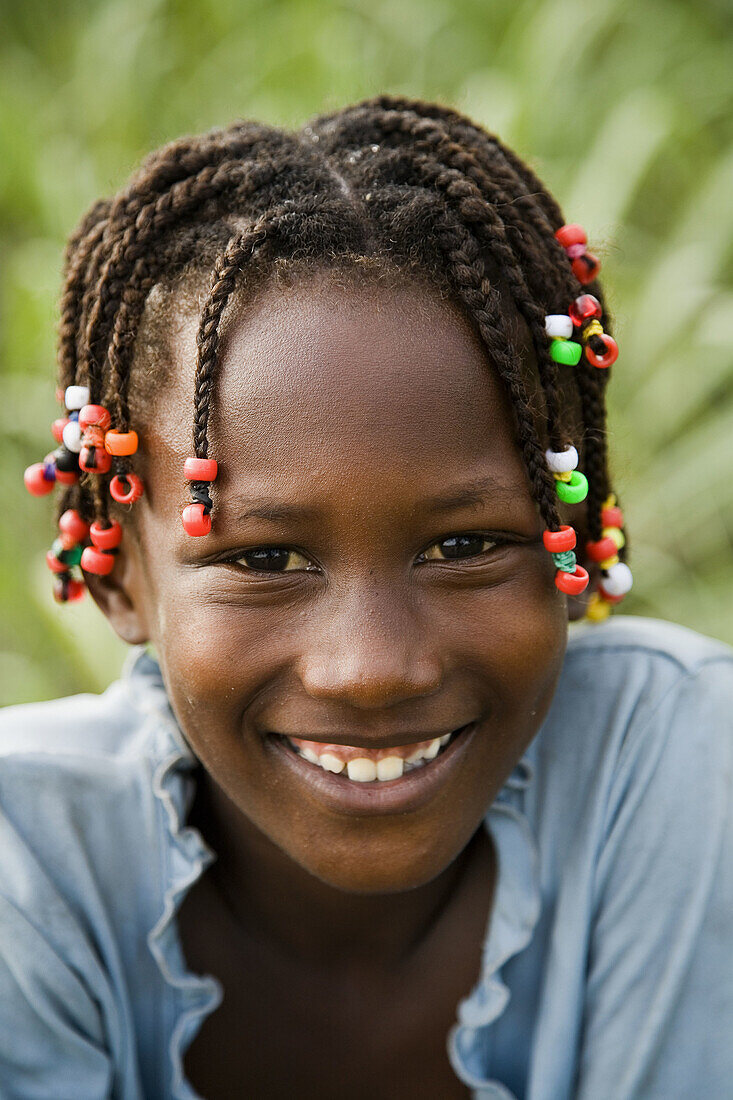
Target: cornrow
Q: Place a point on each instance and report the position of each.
(411, 186)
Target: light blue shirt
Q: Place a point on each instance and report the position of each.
(607, 969)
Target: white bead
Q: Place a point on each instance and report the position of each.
(76, 397)
(618, 580)
(562, 462)
(559, 325)
(72, 436)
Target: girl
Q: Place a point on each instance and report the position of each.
(362, 823)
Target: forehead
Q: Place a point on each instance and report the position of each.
(387, 377)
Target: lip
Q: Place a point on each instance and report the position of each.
(393, 796)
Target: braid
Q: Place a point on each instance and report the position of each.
(413, 186)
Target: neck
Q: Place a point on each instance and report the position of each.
(274, 900)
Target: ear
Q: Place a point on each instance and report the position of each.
(120, 595)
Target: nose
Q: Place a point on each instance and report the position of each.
(369, 651)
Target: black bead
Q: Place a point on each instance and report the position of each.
(66, 461)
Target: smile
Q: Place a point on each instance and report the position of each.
(352, 779)
(362, 765)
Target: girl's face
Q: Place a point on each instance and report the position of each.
(375, 578)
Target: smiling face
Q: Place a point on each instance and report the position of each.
(375, 577)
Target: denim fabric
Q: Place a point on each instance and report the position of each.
(607, 969)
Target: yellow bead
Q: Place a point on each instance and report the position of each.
(608, 562)
(616, 534)
(593, 328)
(610, 501)
(598, 609)
(563, 477)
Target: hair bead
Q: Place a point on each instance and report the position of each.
(97, 561)
(106, 538)
(573, 491)
(36, 480)
(196, 521)
(76, 397)
(95, 460)
(57, 428)
(572, 584)
(601, 550)
(571, 234)
(608, 358)
(200, 469)
(126, 488)
(585, 308)
(55, 564)
(94, 416)
(71, 524)
(559, 326)
(71, 436)
(66, 589)
(559, 542)
(561, 462)
(566, 352)
(121, 443)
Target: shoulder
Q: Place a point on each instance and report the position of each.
(636, 699)
(632, 671)
(77, 788)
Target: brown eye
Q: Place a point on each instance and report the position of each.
(274, 559)
(456, 547)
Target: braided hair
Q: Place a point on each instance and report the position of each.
(395, 182)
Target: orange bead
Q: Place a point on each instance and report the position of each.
(120, 443)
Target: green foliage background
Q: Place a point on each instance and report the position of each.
(623, 108)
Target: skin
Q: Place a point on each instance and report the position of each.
(358, 406)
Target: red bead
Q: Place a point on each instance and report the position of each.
(36, 481)
(557, 542)
(54, 564)
(601, 550)
(66, 477)
(106, 538)
(93, 436)
(571, 234)
(195, 521)
(75, 590)
(610, 356)
(96, 561)
(572, 584)
(607, 596)
(586, 268)
(612, 517)
(126, 488)
(94, 416)
(94, 460)
(71, 524)
(585, 308)
(57, 428)
(200, 469)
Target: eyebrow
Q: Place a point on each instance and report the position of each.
(471, 494)
(466, 495)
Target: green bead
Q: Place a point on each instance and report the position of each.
(573, 491)
(68, 557)
(565, 561)
(566, 352)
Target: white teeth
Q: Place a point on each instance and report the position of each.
(390, 767)
(361, 770)
(330, 762)
(310, 755)
(433, 749)
(445, 738)
(413, 758)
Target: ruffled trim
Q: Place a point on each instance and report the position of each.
(185, 856)
(515, 913)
